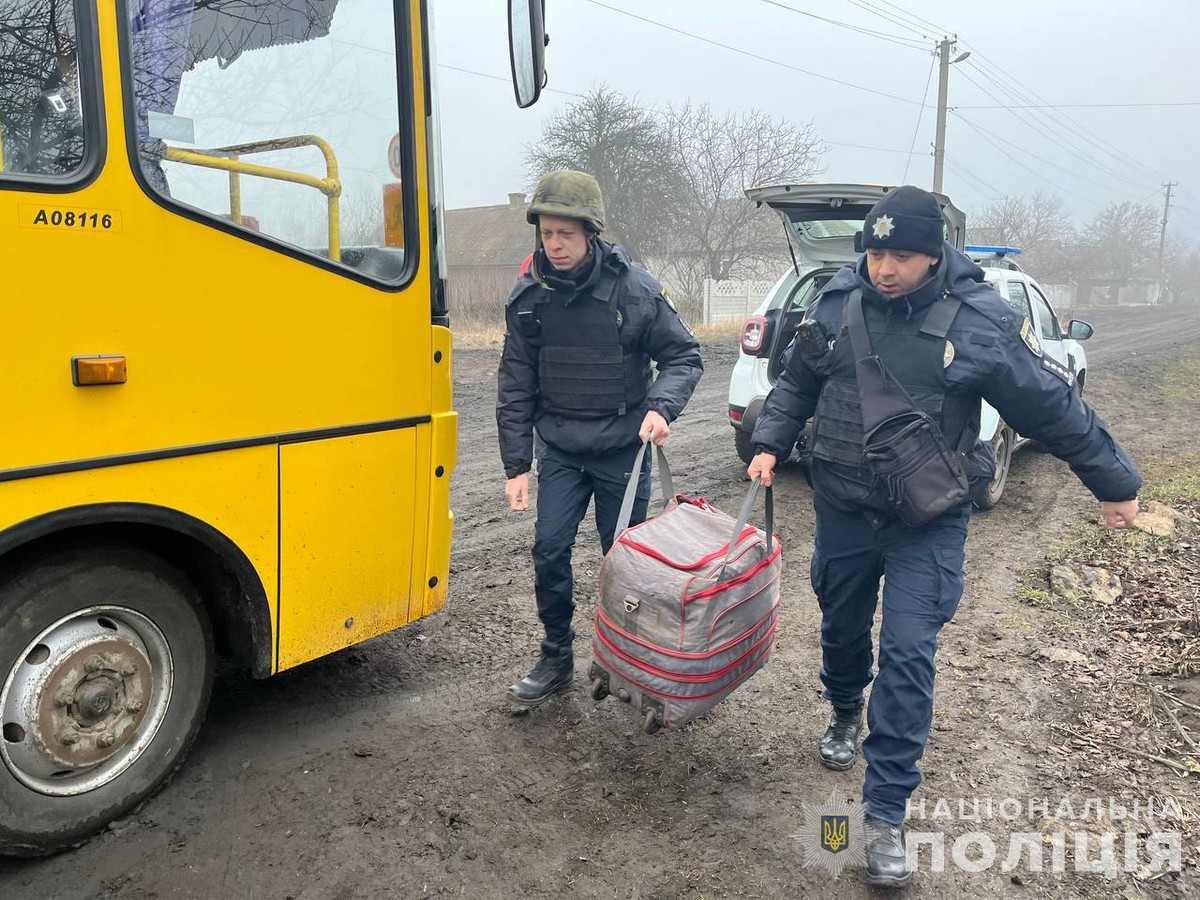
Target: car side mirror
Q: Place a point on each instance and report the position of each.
(1079, 331)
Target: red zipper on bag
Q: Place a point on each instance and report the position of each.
(729, 687)
(679, 654)
(679, 676)
(748, 575)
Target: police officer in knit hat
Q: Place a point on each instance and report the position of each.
(582, 327)
(943, 334)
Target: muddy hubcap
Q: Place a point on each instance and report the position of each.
(84, 700)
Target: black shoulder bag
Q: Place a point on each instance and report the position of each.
(906, 452)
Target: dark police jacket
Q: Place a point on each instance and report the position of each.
(990, 360)
(576, 359)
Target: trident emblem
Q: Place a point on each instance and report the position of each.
(835, 834)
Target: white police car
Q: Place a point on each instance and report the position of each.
(1058, 342)
(824, 229)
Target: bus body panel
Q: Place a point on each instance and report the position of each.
(228, 341)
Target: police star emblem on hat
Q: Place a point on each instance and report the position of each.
(883, 227)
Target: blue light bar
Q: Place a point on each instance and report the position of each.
(999, 251)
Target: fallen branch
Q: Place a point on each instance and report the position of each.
(1181, 702)
(1177, 766)
(1175, 620)
(1158, 694)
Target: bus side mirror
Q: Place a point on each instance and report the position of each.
(527, 49)
(1078, 330)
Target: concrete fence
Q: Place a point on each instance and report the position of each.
(726, 300)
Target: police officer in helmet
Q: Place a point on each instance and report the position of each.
(582, 326)
(914, 311)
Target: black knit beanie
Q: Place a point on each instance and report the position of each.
(907, 218)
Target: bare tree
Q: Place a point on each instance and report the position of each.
(1181, 264)
(1121, 242)
(717, 231)
(1038, 225)
(41, 121)
(625, 146)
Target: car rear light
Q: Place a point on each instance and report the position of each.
(754, 335)
(735, 415)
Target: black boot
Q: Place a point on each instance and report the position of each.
(552, 674)
(840, 741)
(887, 862)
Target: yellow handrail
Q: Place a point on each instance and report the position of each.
(227, 159)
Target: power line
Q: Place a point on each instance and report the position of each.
(888, 17)
(1030, 153)
(1054, 139)
(891, 38)
(507, 81)
(864, 147)
(1058, 120)
(963, 170)
(1033, 172)
(913, 16)
(1086, 105)
(920, 113)
(739, 50)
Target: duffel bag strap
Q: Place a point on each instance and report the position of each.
(666, 483)
(744, 517)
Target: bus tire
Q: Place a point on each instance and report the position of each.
(106, 662)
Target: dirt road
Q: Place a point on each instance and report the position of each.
(396, 769)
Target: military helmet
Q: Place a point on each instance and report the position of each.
(572, 195)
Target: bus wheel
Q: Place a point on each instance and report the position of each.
(106, 659)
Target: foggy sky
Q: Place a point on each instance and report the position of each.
(1067, 52)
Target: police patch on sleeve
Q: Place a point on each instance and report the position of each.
(1030, 338)
(1059, 369)
(670, 302)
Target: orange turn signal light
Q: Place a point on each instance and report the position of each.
(87, 370)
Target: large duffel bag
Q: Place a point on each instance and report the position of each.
(688, 605)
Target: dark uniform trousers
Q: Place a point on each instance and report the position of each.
(922, 571)
(565, 484)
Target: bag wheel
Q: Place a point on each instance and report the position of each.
(599, 689)
(651, 722)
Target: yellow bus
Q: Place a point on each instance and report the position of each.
(227, 421)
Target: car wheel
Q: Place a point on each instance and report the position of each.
(986, 494)
(106, 660)
(744, 445)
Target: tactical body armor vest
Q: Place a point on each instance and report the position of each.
(583, 372)
(916, 359)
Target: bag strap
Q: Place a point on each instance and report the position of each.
(880, 396)
(744, 517)
(666, 483)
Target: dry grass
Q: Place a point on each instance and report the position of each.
(471, 335)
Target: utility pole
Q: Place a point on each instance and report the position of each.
(1162, 239)
(945, 45)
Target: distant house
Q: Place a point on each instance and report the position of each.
(491, 240)
(485, 246)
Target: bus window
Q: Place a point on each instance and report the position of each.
(282, 118)
(41, 119)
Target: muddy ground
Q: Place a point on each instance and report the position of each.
(396, 769)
